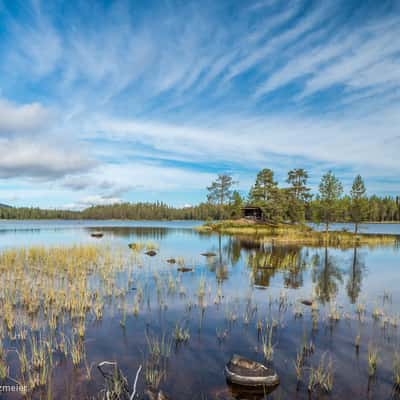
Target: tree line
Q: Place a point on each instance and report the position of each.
(292, 203)
(133, 211)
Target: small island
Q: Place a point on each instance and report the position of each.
(284, 215)
(295, 234)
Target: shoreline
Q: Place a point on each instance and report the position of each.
(297, 234)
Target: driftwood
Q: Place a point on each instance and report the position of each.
(116, 383)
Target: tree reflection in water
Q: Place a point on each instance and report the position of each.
(356, 272)
(291, 261)
(326, 276)
(267, 260)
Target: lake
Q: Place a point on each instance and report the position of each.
(243, 297)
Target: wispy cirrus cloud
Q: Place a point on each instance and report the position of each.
(120, 99)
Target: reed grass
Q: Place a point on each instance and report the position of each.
(181, 334)
(372, 360)
(322, 376)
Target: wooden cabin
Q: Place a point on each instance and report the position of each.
(253, 213)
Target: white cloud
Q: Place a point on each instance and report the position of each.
(34, 159)
(23, 118)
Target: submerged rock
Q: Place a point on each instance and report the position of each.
(171, 261)
(97, 234)
(208, 254)
(151, 253)
(244, 372)
(306, 302)
(185, 269)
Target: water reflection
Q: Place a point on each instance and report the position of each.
(268, 260)
(140, 233)
(326, 276)
(150, 297)
(219, 263)
(356, 272)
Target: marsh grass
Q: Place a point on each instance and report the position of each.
(267, 346)
(181, 334)
(298, 367)
(159, 347)
(322, 376)
(372, 360)
(47, 294)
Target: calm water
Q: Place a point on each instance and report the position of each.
(244, 283)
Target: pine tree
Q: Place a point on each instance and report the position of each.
(298, 194)
(359, 202)
(220, 191)
(330, 191)
(266, 194)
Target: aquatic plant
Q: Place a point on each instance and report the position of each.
(181, 334)
(322, 376)
(267, 346)
(158, 347)
(372, 360)
(76, 351)
(154, 374)
(298, 367)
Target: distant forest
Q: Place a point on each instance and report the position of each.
(292, 203)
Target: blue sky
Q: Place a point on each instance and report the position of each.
(106, 101)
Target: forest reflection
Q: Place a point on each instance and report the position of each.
(328, 270)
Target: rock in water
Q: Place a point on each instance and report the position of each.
(151, 253)
(244, 372)
(208, 254)
(306, 302)
(171, 261)
(185, 269)
(96, 234)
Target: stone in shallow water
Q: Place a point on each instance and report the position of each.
(244, 372)
(97, 234)
(208, 254)
(185, 269)
(171, 261)
(306, 302)
(151, 253)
